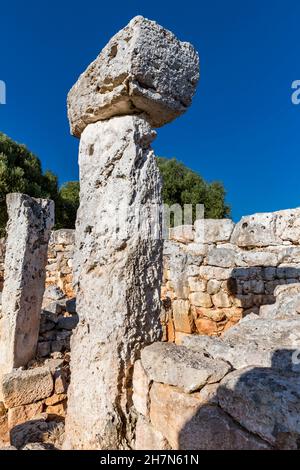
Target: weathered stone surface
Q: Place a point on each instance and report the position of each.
(213, 230)
(23, 413)
(286, 306)
(256, 342)
(181, 367)
(221, 300)
(268, 229)
(147, 438)
(265, 402)
(256, 258)
(196, 425)
(141, 386)
(28, 232)
(221, 257)
(182, 233)
(143, 68)
(200, 299)
(182, 316)
(22, 387)
(117, 274)
(212, 272)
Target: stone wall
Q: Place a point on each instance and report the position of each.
(59, 271)
(216, 272)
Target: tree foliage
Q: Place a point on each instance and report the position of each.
(21, 171)
(184, 186)
(68, 205)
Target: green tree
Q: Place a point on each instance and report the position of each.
(184, 186)
(21, 171)
(68, 205)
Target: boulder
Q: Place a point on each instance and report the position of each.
(176, 365)
(196, 425)
(265, 402)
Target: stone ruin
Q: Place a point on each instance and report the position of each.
(216, 364)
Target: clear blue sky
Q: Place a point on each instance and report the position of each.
(242, 127)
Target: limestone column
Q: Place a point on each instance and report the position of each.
(143, 78)
(28, 231)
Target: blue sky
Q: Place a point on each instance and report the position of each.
(242, 128)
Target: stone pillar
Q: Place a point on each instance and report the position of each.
(28, 231)
(143, 78)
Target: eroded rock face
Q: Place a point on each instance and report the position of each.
(143, 68)
(265, 402)
(118, 275)
(267, 229)
(181, 367)
(189, 424)
(22, 387)
(28, 232)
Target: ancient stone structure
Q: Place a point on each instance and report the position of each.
(28, 232)
(238, 392)
(216, 272)
(144, 77)
(59, 270)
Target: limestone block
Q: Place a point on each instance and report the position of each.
(182, 234)
(147, 438)
(23, 413)
(211, 272)
(182, 317)
(143, 68)
(221, 257)
(256, 258)
(28, 232)
(206, 326)
(200, 299)
(213, 286)
(196, 425)
(221, 299)
(267, 229)
(22, 387)
(196, 285)
(265, 402)
(213, 230)
(178, 366)
(141, 386)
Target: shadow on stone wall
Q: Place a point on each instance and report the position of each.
(254, 408)
(254, 286)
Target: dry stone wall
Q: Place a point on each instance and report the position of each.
(237, 392)
(215, 272)
(209, 283)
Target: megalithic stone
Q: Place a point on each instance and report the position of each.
(144, 77)
(28, 231)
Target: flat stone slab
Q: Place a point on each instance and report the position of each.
(181, 367)
(265, 402)
(189, 424)
(22, 387)
(253, 342)
(143, 68)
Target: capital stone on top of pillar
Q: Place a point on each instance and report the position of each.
(144, 68)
